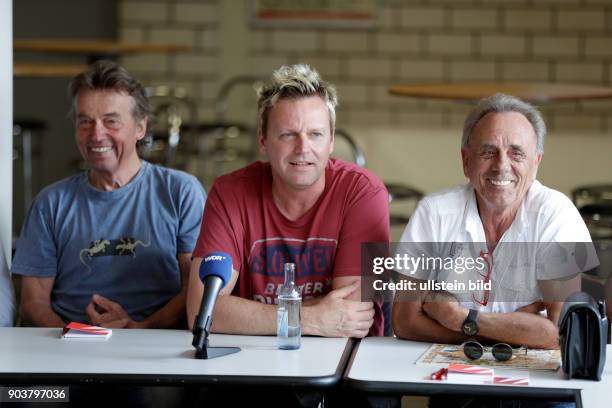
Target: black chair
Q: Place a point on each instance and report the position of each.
(172, 107)
(593, 194)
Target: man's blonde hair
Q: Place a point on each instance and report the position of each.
(295, 81)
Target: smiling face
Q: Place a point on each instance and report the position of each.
(501, 160)
(298, 142)
(107, 133)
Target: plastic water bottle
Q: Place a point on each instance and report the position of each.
(288, 326)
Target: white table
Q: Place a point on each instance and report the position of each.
(166, 357)
(387, 365)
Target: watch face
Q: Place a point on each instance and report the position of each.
(470, 328)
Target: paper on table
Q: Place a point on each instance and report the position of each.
(468, 374)
(74, 330)
(511, 377)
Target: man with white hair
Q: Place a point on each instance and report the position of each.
(529, 240)
(300, 206)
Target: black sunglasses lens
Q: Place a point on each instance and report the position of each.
(502, 352)
(472, 350)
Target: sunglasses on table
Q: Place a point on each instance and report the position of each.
(500, 351)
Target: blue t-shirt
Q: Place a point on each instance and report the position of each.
(121, 244)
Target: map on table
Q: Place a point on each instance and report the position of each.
(534, 359)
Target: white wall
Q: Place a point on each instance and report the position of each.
(6, 123)
(6, 154)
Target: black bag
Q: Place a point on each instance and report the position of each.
(583, 333)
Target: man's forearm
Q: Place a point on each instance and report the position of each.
(235, 315)
(519, 328)
(40, 315)
(420, 327)
(171, 315)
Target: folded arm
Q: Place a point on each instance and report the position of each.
(437, 317)
(410, 321)
(335, 315)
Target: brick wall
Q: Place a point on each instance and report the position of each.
(415, 41)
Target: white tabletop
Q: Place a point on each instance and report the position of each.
(154, 356)
(386, 364)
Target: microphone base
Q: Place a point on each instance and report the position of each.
(206, 353)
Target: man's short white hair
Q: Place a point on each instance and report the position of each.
(502, 103)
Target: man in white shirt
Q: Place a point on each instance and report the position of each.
(527, 242)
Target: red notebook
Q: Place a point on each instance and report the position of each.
(469, 374)
(74, 330)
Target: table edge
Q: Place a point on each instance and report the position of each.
(179, 379)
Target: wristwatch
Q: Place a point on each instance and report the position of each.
(470, 326)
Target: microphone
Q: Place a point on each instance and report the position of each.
(215, 272)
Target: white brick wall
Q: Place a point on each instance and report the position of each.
(196, 13)
(599, 46)
(143, 11)
(146, 63)
(579, 72)
(503, 45)
(474, 18)
(353, 94)
(328, 66)
(448, 44)
(528, 19)
(581, 20)
(291, 41)
(369, 68)
(415, 41)
(422, 17)
(346, 41)
(472, 71)
(398, 43)
(419, 69)
(525, 71)
(173, 36)
(557, 46)
(197, 64)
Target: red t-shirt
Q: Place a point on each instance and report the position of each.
(242, 219)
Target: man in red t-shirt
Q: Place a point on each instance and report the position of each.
(300, 206)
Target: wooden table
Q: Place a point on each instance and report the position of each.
(535, 92)
(29, 69)
(94, 47)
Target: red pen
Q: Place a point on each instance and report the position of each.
(440, 374)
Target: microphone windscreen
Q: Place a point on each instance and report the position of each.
(217, 264)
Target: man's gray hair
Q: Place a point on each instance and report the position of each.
(295, 81)
(105, 75)
(502, 103)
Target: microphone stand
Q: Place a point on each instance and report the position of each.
(200, 342)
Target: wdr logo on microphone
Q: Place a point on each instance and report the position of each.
(214, 258)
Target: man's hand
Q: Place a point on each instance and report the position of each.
(335, 316)
(102, 311)
(444, 308)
